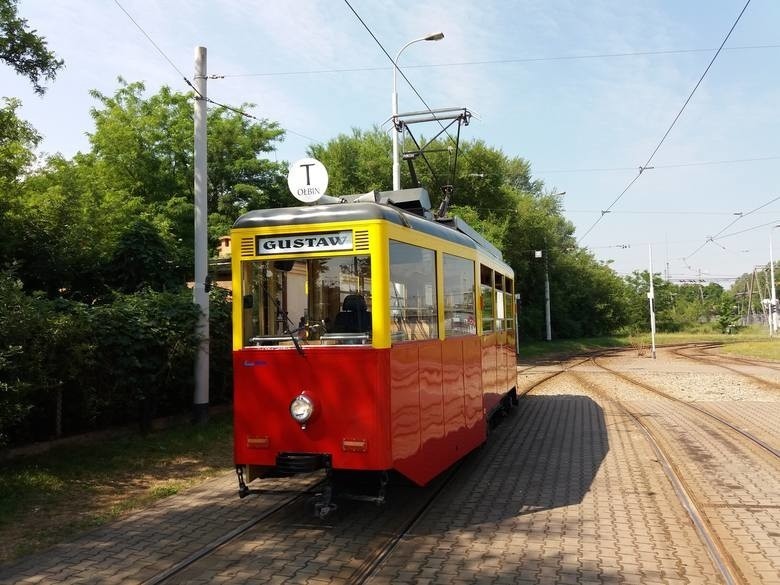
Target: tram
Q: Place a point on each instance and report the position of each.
(368, 336)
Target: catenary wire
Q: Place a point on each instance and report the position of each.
(494, 61)
(189, 83)
(397, 68)
(671, 126)
(731, 223)
(670, 166)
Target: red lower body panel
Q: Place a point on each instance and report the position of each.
(416, 408)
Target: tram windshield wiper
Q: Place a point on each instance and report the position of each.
(294, 334)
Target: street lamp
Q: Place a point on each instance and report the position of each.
(773, 305)
(396, 158)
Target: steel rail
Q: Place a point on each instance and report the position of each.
(704, 411)
(217, 543)
(713, 361)
(716, 550)
(768, 364)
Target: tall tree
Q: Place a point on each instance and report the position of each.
(24, 50)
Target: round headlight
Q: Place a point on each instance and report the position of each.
(301, 408)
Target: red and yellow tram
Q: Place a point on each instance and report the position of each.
(367, 336)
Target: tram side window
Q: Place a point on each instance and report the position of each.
(488, 302)
(413, 308)
(509, 299)
(459, 305)
(500, 306)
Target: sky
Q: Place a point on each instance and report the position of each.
(585, 91)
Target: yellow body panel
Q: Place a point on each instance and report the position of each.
(380, 232)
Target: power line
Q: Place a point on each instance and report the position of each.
(756, 227)
(189, 83)
(731, 223)
(373, 36)
(648, 212)
(397, 68)
(159, 50)
(671, 166)
(494, 61)
(666, 134)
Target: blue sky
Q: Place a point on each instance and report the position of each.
(543, 77)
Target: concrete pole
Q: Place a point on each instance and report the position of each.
(547, 299)
(773, 296)
(651, 298)
(200, 296)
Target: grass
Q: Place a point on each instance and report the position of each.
(47, 498)
(768, 349)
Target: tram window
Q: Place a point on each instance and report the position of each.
(500, 307)
(488, 304)
(459, 310)
(413, 308)
(509, 299)
(319, 300)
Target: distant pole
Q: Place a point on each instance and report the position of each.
(773, 294)
(200, 296)
(547, 298)
(651, 298)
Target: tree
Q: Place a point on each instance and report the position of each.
(24, 50)
(145, 144)
(18, 140)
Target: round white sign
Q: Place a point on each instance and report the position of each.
(307, 180)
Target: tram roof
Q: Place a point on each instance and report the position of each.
(453, 230)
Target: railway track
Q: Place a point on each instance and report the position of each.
(734, 426)
(708, 460)
(549, 376)
(723, 362)
(171, 573)
(362, 532)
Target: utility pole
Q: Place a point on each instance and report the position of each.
(772, 294)
(651, 298)
(547, 297)
(200, 296)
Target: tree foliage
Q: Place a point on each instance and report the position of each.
(24, 50)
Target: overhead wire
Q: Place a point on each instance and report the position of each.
(731, 223)
(189, 83)
(671, 126)
(397, 68)
(496, 61)
(669, 166)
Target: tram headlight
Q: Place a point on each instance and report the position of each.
(301, 408)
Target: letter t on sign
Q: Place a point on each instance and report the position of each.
(307, 180)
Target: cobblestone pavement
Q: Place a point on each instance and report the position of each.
(566, 491)
(135, 549)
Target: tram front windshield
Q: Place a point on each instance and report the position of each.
(317, 300)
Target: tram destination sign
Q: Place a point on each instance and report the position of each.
(298, 243)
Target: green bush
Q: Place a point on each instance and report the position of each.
(67, 367)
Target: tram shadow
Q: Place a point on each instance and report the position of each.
(544, 455)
